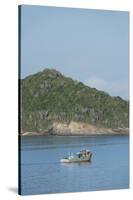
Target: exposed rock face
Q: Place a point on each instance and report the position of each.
(80, 128)
(74, 128)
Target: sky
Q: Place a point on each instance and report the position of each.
(91, 46)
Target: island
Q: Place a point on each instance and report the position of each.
(53, 104)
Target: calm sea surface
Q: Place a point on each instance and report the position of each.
(41, 171)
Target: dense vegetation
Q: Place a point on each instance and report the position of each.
(49, 96)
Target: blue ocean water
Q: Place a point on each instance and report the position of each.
(42, 173)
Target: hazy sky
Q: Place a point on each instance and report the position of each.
(88, 45)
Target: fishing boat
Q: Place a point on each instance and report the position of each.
(82, 156)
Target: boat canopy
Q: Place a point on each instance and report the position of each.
(83, 151)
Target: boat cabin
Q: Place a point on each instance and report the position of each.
(83, 154)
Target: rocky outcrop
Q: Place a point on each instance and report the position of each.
(77, 128)
(80, 128)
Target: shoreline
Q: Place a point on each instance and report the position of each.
(76, 129)
(29, 134)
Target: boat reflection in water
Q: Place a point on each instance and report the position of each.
(82, 156)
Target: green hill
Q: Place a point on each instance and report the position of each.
(49, 97)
